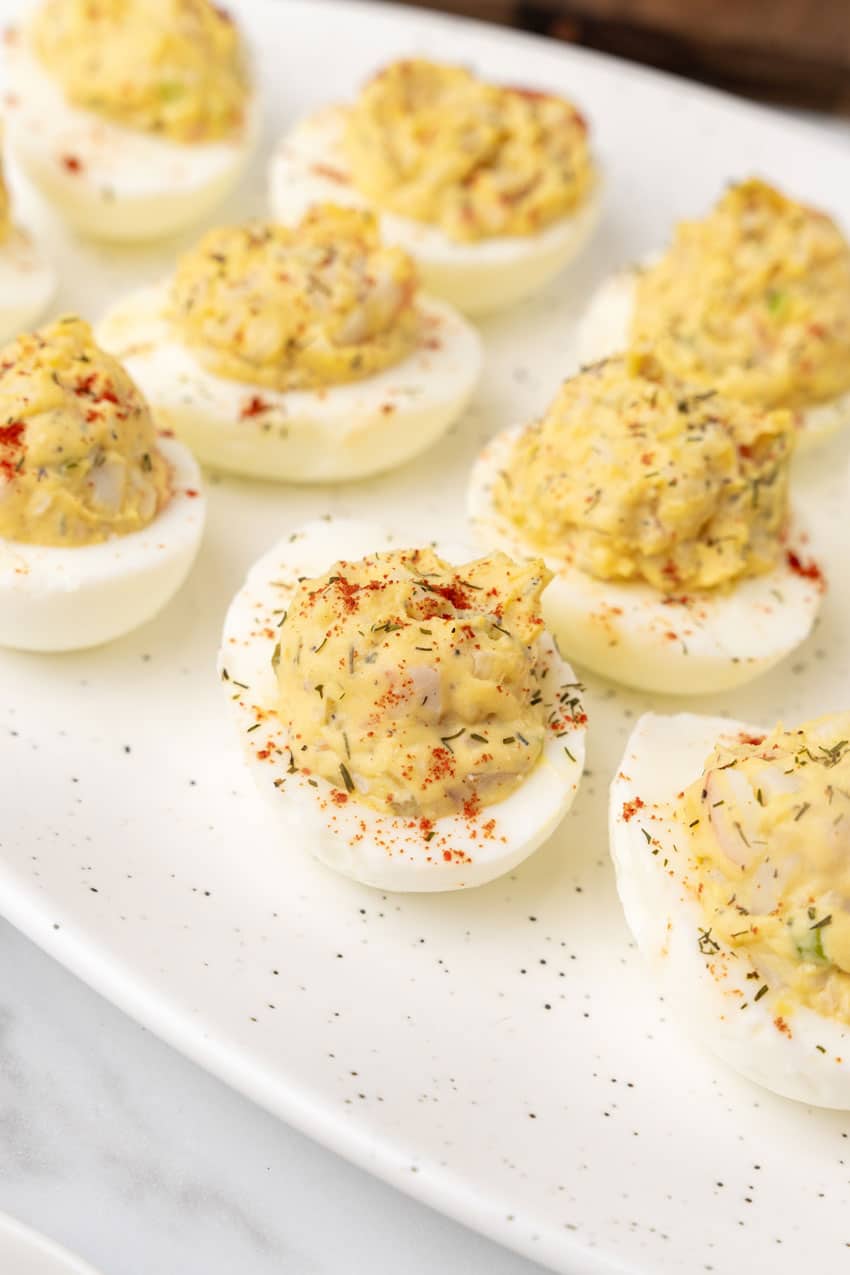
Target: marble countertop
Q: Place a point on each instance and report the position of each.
(141, 1163)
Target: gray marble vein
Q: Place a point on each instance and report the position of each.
(137, 1160)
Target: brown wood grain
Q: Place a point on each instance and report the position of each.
(504, 11)
(791, 51)
(818, 29)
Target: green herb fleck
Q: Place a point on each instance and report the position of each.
(708, 945)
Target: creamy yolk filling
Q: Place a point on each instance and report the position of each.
(318, 304)
(171, 67)
(435, 144)
(769, 825)
(78, 456)
(413, 685)
(754, 301)
(632, 475)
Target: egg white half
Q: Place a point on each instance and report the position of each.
(631, 632)
(310, 167)
(381, 850)
(27, 283)
(342, 432)
(605, 330)
(109, 181)
(58, 599)
(805, 1056)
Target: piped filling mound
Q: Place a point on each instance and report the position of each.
(633, 475)
(79, 461)
(170, 67)
(769, 829)
(415, 686)
(438, 145)
(317, 304)
(753, 300)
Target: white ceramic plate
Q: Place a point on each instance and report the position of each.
(24, 1252)
(499, 1054)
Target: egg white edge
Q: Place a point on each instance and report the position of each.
(604, 331)
(634, 614)
(352, 845)
(140, 157)
(147, 567)
(27, 282)
(295, 185)
(389, 404)
(662, 757)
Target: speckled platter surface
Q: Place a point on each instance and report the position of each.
(500, 1054)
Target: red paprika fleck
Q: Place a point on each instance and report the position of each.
(808, 570)
(11, 437)
(630, 808)
(348, 592)
(442, 765)
(472, 807)
(452, 593)
(255, 406)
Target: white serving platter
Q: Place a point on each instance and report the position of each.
(25, 1252)
(499, 1054)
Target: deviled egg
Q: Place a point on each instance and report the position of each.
(100, 519)
(27, 281)
(303, 353)
(732, 846)
(405, 711)
(662, 511)
(492, 189)
(753, 300)
(134, 117)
